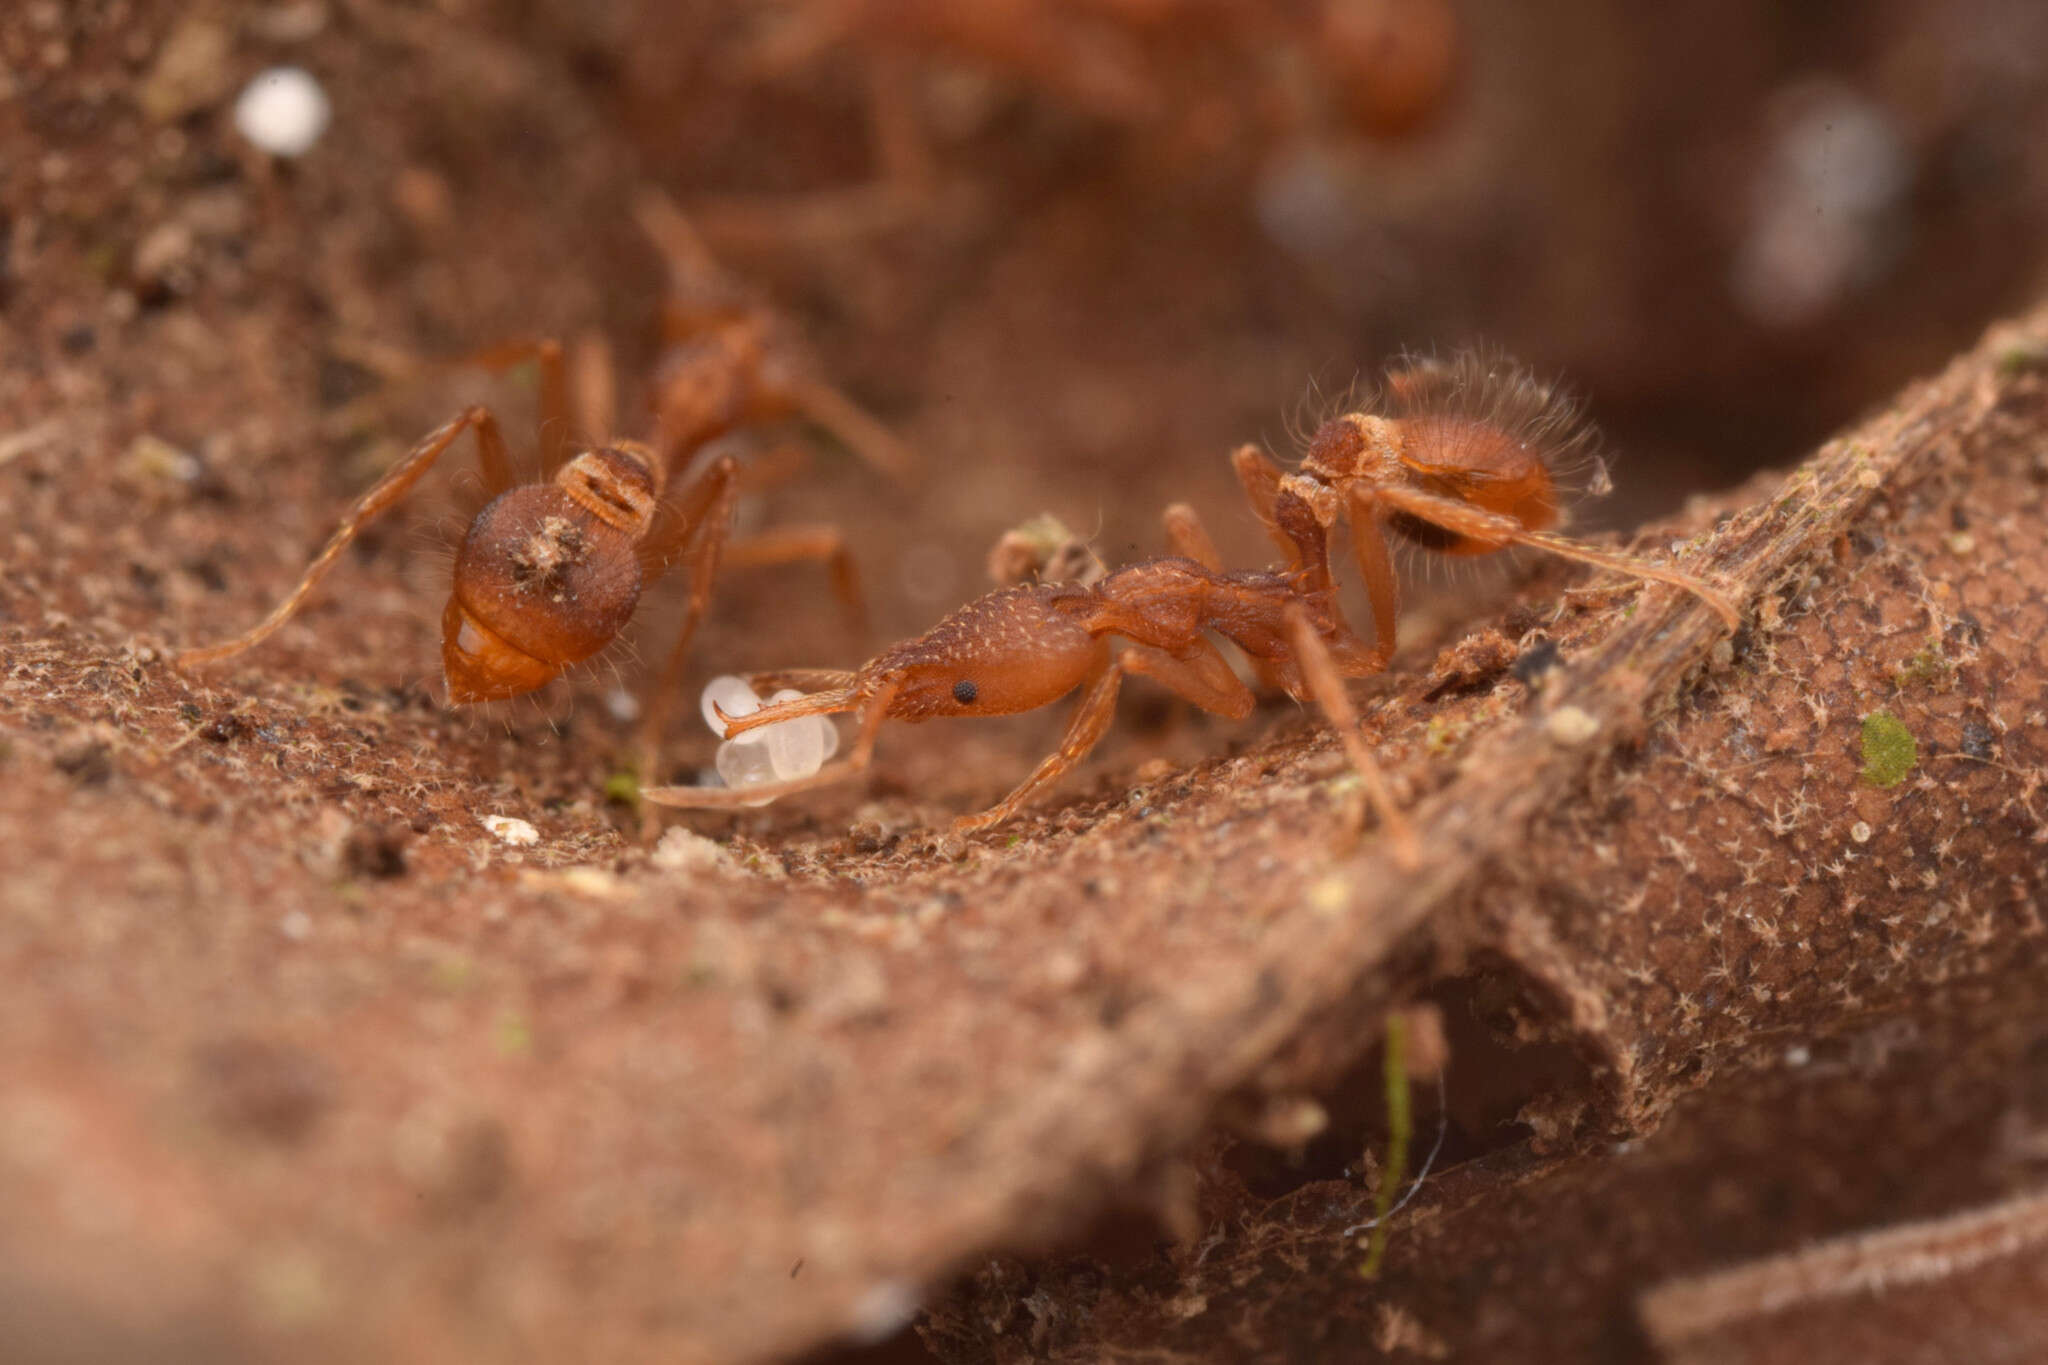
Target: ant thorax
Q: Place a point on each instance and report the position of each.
(1357, 445)
(616, 485)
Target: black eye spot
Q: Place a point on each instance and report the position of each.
(965, 692)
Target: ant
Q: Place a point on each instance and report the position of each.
(1467, 463)
(1019, 648)
(1201, 80)
(549, 573)
(1389, 62)
(1467, 459)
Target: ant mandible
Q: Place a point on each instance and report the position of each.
(1468, 462)
(549, 573)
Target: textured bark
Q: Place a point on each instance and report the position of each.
(1697, 874)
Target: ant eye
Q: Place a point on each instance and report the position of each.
(965, 692)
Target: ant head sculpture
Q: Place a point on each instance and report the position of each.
(546, 577)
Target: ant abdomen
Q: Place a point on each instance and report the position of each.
(1483, 465)
(540, 583)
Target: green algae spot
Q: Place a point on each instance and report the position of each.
(1929, 667)
(1889, 751)
(622, 788)
(2021, 357)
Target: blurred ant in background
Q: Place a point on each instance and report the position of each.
(1200, 76)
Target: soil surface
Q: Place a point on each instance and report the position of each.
(304, 1057)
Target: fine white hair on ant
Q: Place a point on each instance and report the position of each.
(1457, 457)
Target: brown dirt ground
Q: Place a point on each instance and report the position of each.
(301, 1061)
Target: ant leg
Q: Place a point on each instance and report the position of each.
(1475, 523)
(387, 491)
(873, 712)
(1091, 718)
(556, 437)
(797, 544)
(1288, 519)
(1202, 675)
(1376, 567)
(803, 679)
(702, 295)
(853, 426)
(699, 291)
(593, 388)
(1189, 538)
(1260, 479)
(904, 180)
(698, 522)
(1319, 670)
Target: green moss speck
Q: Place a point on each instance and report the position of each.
(1443, 735)
(513, 1034)
(1889, 751)
(1928, 667)
(622, 788)
(2021, 357)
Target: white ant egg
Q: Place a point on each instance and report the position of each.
(796, 747)
(781, 752)
(732, 696)
(283, 110)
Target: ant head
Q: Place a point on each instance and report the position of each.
(540, 584)
(1357, 445)
(1014, 650)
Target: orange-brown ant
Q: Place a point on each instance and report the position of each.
(549, 573)
(1465, 462)
(1020, 648)
(1466, 457)
(1204, 82)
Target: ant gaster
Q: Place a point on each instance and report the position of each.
(1467, 461)
(549, 573)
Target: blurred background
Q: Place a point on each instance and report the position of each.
(1072, 250)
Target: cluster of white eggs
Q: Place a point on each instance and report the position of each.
(773, 753)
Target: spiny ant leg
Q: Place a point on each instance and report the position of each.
(1476, 523)
(872, 712)
(1091, 718)
(1189, 538)
(387, 491)
(806, 544)
(1319, 670)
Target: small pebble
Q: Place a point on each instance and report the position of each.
(512, 830)
(681, 850)
(283, 111)
(1571, 725)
